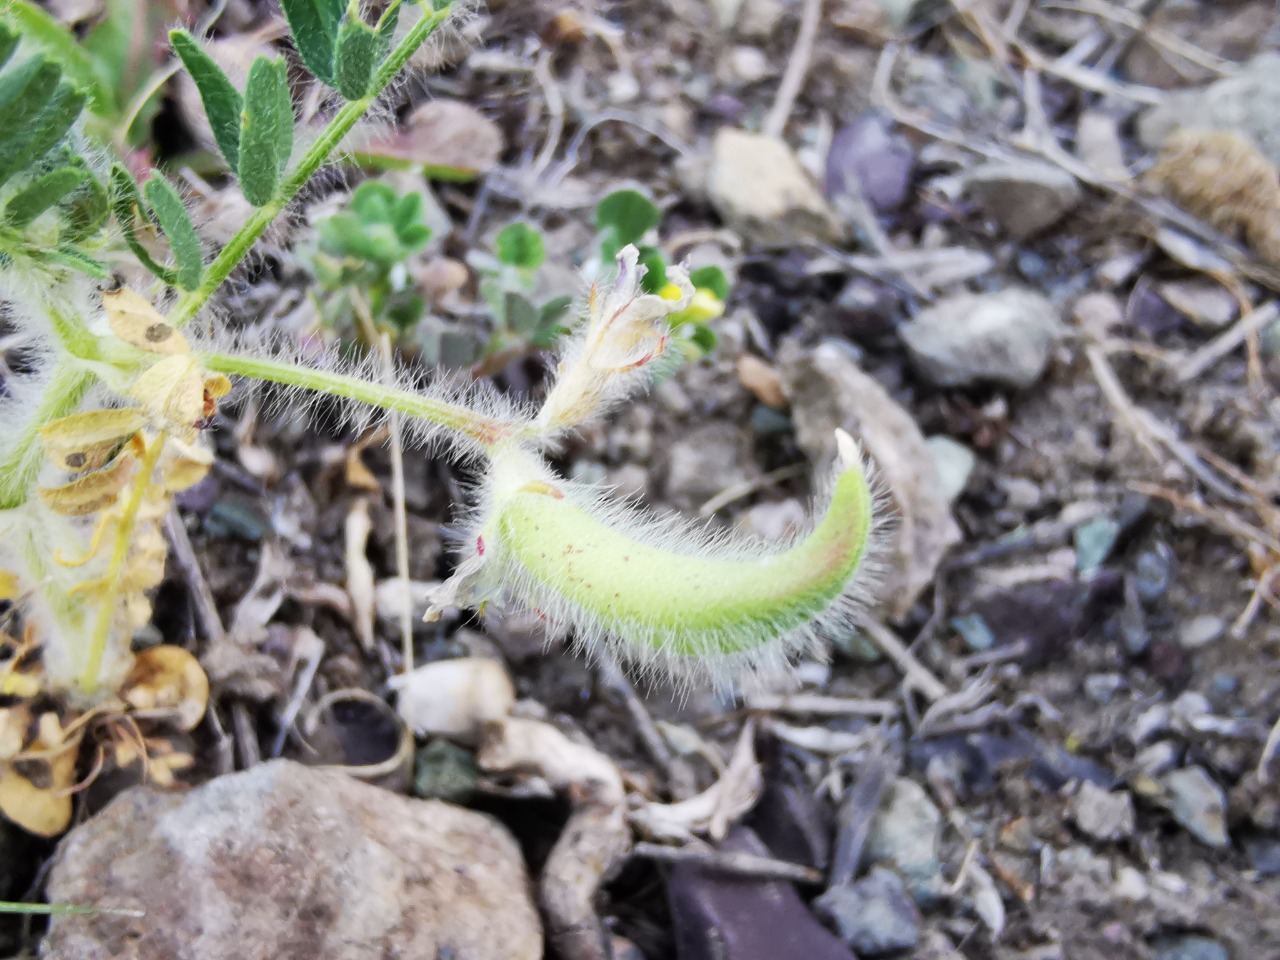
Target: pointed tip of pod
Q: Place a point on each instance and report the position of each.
(847, 453)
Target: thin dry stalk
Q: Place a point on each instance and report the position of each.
(797, 67)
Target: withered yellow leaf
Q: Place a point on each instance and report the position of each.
(90, 492)
(9, 588)
(172, 393)
(134, 320)
(44, 811)
(184, 465)
(169, 678)
(13, 730)
(85, 441)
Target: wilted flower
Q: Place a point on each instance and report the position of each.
(625, 331)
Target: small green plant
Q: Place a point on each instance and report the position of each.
(361, 262)
(107, 424)
(508, 284)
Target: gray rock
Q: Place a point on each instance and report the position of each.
(1191, 948)
(904, 834)
(1198, 804)
(1094, 541)
(1101, 814)
(1248, 103)
(874, 915)
(1103, 687)
(1004, 337)
(284, 860)
(955, 464)
(1024, 197)
(1201, 631)
(759, 189)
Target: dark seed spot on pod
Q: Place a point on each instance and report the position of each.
(159, 333)
(76, 460)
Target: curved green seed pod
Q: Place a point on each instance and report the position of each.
(669, 596)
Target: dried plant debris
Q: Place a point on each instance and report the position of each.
(1222, 177)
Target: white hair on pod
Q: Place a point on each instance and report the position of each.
(732, 652)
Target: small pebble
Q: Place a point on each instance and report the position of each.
(1102, 814)
(905, 835)
(1201, 631)
(955, 464)
(975, 632)
(1103, 687)
(1191, 948)
(1094, 542)
(1154, 571)
(1198, 804)
(874, 915)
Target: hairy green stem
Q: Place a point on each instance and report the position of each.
(344, 120)
(61, 398)
(70, 383)
(484, 430)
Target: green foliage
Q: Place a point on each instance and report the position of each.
(222, 102)
(171, 214)
(360, 48)
(314, 24)
(266, 131)
(41, 194)
(520, 245)
(163, 209)
(51, 200)
(114, 62)
(362, 255)
(509, 284)
(624, 217)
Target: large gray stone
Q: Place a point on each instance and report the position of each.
(291, 861)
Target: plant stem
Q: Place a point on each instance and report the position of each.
(462, 420)
(344, 120)
(60, 398)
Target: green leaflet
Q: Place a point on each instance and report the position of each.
(47, 130)
(679, 598)
(41, 194)
(266, 131)
(520, 245)
(126, 201)
(314, 24)
(222, 102)
(171, 213)
(360, 48)
(36, 26)
(624, 217)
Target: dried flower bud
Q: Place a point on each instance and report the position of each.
(625, 331)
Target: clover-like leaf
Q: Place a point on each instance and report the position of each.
(520, 245)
